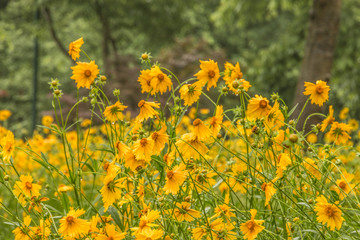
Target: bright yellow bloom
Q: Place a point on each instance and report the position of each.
(111, 191)
(209, 73)
(319, 92)
(74, 48)
(354, 125)
(190, 93)
(253, 227)
(7, 144)
(283, 161)
(258, 107)
(143, 148)
(190, 146)
(344, 113)
(328, 213)
(111, 233)
(328, 120)
(269, 190)
(274, 119)
(201, 131)
(160, 138)
(64, 188)
(113, 113)
(233, 77)
(183, 212)
(26, 188)
(216, 121)
(175, 178)
(144, 80)
(84, 73)
(339, 133)
(160, 82)
(150, 234)
(122, 149)
(312, 168)
(24, 233)
(132, 162)
(224, 211)
(147, 110)
(72, 225)
(344, 187)
(146, 222)
(312, 138)
(4, 115)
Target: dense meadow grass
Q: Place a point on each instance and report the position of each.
(176, 171)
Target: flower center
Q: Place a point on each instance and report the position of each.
(211, 74)
(143, 142)
(196, 122)
(263, 104)
(155, 136)
(110, 238)
(319, 90)
(70, 219)
(342, 185)
(87, 73)
(263, 186)
(170, 174)
(148, 238)
(28, 185)
(251, 226)
(142, 223)
(141, 103)
(330, 211)
(160, 76)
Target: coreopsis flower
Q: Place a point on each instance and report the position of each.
(72, 226)
(274, 119)
(160, 138)
(233, 77)
(4, 115)
(312, 168)
(328, 213)
(24, 232)
(64, 188)
(253, 227)
(216, 121)
(74, 48)
(344, 113)
(150, 234)
(209, 73)
(144, 80)
(111, 233)
(42, 231)
(132, 162)
(283, 161)
(328, 120)
(200, 130)
(183, 212)
(84, 74)
(113, 113)
(142, 148)
(146, 222)
(354, 124)
(175, 178)
(198, 233)
(111, 168)
(204, 181)
(190, 93)
(222, 231)
(26, 188)
(122, 149)
(147, 110)
(269, 190)
(160, 82)
(311, 138)
(258, 107)
(224, 211)
(190, 146)
(339, 133)
(319, 92)
(344, 186)
(7, 144)
(111, 191)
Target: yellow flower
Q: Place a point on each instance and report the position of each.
(64, 188)
(147, 110)
(74, 48)
(216, 121)
(253, 227)
(146, 222)
(132, 162)
(258, 107)
(160, 82)
(274, 119)
(190, 93)
(114, 112)
(283, 161)
(319, 92)
(312, 168)
(354, 125)
(328, 120)
(84, 73)
(150, 234)
(122, 149)
(160, 138)
(24, 232)
(209, 73)
(201, 131)
(224, 210)
(312, 138)
(183, 212)
(339, 133)
(143, 149)
(344, 113)
(269, 190)
(190, 146)
(8, 146)
(233, 77)
(175, 178)
(328, 213)
(72, 225)
(111, 191)
(144, 80)
(26, 188)
(343, 185)
(4, 115)
(111, 233)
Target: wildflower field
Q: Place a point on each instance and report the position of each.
(175, 171)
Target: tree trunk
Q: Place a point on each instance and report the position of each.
(319, 54)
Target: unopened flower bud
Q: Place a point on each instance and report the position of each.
(293, 138)
(103, 78)
(6, 178)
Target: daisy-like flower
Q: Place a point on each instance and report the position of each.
(4, 115)
(312, 168)
(354, 124)
(258, 107)
(253, 227)
(8, 146)
(344, 186)
(143, 148)
(283, 161)
(175, 178)
(274, 119)
(201, 131)
(328, 213)
(160, 82)
(122, 149)
(160, 138)
(183, 212)
(84, 74)
(144, 80)
(24, 232)
(111, 233)
(132, 162)
(224, 210)
(72, 226)
(150, 234)
(146, 222)
(233, 77)
(147, 110)
(209, 73)
(328, 120)
(74, 48)
(114, 112)
(26, 188)
(339, 133)
(344, 113)
(190, 146)
(190, 93)
(269, 190)
(111, 191)
(319, 92)
(204, 181)
(216, 121)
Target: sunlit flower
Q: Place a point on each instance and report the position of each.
(147, 110)
(26, 188)
(74, 48)
(144, 80)
(328, 213)
(274, 119)
(253, 227)
(190, 146)
(328, 120)
(344, 113)
(24, 232)
(8, 146)
(160, 138)
(200, 130)
(84, 73)
(132, 162)
(160, 82)
(4, 115)
(146, 222)
(269, 190)
(283, 161)
(111, 191)
(216, 121)
(339, 133)
(175, 178)
(258, 107)
(113, 113)
(209, 73)
(311, 138)
(72, 225)
(312, 168)
(344, 187)
(150, 234)
(111, 233)
(190, 93)
(143, 148)
(319, 92)
(183, 212)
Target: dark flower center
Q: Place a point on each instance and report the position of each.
(263, 104)
(319, 90)
(160, 76)
(28, 185)
(70, 219)
(211, 74)
(87, 73)
(170, 174)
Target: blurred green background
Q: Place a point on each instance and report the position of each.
(267, 37)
